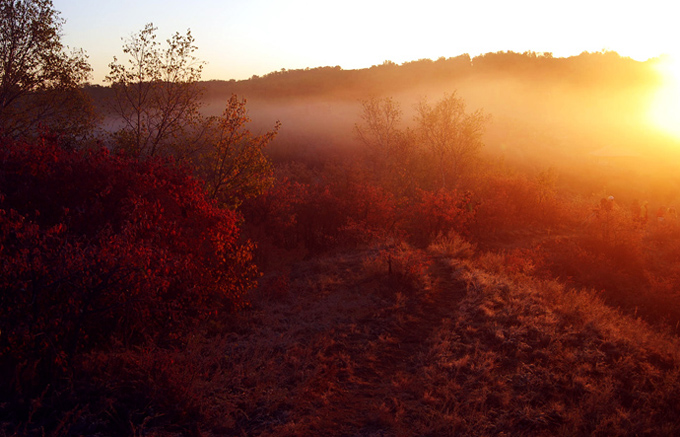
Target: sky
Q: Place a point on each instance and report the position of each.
(239, 39)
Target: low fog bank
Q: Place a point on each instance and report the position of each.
(315, 125)
(586, 117)
(600, 135)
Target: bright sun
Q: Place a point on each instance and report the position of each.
(665, 109)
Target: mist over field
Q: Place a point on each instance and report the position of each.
(590, 117)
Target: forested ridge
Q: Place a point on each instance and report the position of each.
(597, 70)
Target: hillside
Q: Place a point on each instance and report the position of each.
(500, 257)
(442, 346)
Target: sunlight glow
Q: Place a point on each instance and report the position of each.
(665, 109)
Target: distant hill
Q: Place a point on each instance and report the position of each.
(600, 69)
(596, 70)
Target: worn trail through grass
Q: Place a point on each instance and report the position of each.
(376, 357)
(426, 310)
(338, 346)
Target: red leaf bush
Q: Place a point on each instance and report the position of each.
(438, 213)
(97, 249)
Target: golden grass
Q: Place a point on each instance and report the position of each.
(465, 349)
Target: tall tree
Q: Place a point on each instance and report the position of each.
(453, 136)
(39, 81)
(158, 100)
(156, 92)
(379, 129)
(390, 151)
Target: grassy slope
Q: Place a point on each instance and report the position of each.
(339, 347)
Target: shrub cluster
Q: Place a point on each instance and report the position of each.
(327, 214)
(98, 249)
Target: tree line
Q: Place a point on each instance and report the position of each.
(602, 70)
(155, 101)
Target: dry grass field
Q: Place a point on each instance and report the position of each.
(338, 346)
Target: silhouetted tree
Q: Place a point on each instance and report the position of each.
(379, 129)
(390, 151)
(452, 135)
(39, 81)
(156, 92)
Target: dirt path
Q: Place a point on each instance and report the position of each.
(345, 351)
(376, 361)
(425, 314)
(349, 351)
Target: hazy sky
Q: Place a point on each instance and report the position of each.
(241, 38)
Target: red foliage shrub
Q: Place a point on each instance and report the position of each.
(96, 248)
(276, 212)
(320, 216)
(437, 213)
(328, 212)
(294, 214)
(370, 214)
(506, 204)
(616, 271)
(510, 203)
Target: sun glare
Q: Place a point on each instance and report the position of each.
(665, 110)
